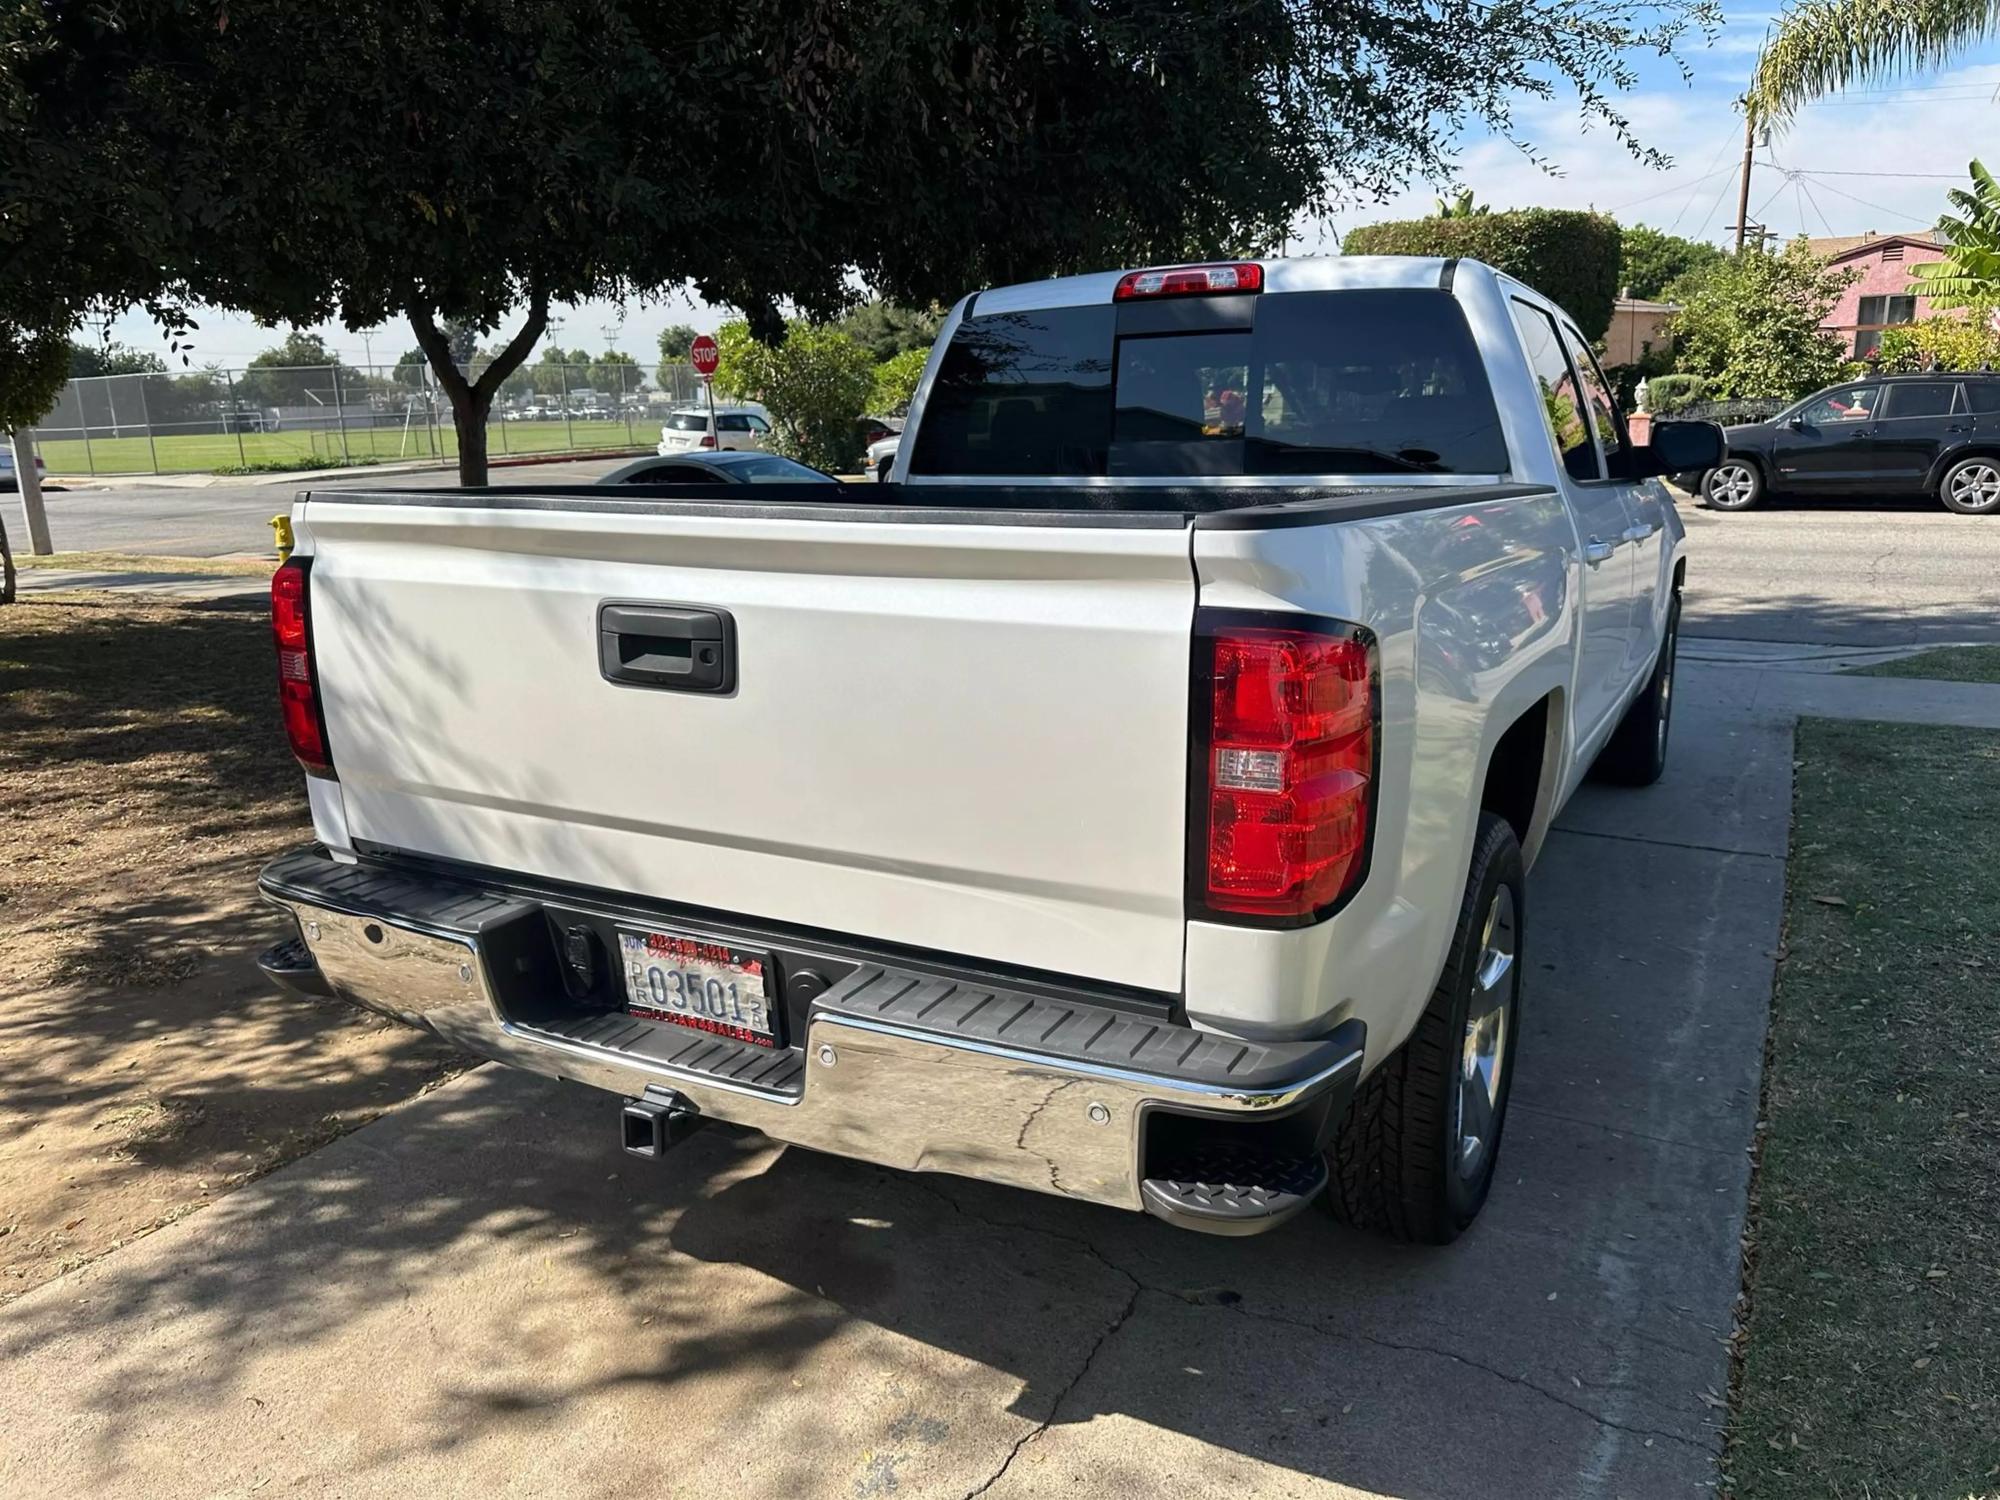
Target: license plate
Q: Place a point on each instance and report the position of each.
(693, 982)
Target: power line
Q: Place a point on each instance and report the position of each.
(1879, 208)
(1728, 182)
(1823, 219)
(1835, 172)
(1691, 184)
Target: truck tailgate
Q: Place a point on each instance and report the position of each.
(970, 738)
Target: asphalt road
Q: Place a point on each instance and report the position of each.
(215, 519)
(1843, 573)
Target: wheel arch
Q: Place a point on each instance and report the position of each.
(1988, 449)
(1520, 780)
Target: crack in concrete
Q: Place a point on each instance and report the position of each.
(1140, 1287)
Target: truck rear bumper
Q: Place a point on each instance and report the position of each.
(920, 1070)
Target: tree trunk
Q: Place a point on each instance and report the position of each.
(6, 567)
(472, 400)
(469, 410)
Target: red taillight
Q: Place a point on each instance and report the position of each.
(1291, 766)
(1190, 281)
(298, 683)
(707, 440)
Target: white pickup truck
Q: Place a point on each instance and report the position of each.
(1131, 800)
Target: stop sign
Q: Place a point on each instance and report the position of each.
(704, 355)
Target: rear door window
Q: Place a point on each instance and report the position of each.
(1350, 382)
(1919, 399)
(1984, 396)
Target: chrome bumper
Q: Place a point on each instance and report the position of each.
(880, 1081)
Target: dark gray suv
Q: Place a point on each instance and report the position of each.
(1880, 435)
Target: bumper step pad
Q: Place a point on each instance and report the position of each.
(769, 1070)
(1226, 1190)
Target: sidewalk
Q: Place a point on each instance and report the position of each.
(172, 585)
(343, 471)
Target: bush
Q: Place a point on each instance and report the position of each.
(896, 381)
(1750, 325)
(1569, 257)
(1941, 343)
(1667, 394)
(816, 383)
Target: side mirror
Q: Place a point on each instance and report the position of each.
(1676, 448)
(1797, 424)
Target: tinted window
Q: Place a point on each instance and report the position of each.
(1022, 393)
(675, 474)
(1984, 396)
(1324, 382)
(1925, 399)
(1562, 401)
(732, 424)
(1848, 403)
(1598, 403)
(688, 421)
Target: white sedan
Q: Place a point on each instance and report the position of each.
(735, 427)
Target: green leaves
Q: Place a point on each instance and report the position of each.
(1969, 274)
(816, 382)
(1569, 257)
(1822, 46)
(1750, 324)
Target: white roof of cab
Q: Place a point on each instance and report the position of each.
(1305, 273)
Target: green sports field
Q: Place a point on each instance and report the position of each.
(200, 452)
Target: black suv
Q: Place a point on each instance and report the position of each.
(1882, 435)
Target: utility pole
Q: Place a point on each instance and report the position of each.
(28, 480)
(1743, 192)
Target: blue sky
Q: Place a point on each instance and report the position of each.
(1879, 158)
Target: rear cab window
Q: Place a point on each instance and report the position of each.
(1925, 398)
(1362, 381)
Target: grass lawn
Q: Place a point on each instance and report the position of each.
(126, 562)
(199, 452)
(1871, 1360)
(1948, 664)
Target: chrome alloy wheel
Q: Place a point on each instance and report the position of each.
(1483, 1053)
(1975, 486)
(1731, 486)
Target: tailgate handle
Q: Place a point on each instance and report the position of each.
(684, 648)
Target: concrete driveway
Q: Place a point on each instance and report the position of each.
(479, 1294)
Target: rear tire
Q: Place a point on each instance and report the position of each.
(1415, 1156)
(1636, 753)
(1733, 484)
(1972, 487)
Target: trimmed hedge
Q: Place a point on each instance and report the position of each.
(1671, 393)
(1571, 258)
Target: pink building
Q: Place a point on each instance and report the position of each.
(1882, 298)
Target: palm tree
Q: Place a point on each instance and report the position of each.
(1822, 46)
(1969, 274)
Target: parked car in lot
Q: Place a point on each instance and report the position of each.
(1936, 435)
(1138, 810)
(717, 468)
(9, 480)
(735, 427)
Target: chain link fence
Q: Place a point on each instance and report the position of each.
(261, 417)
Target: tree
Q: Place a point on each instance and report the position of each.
(1461, 207)
(675, 341)
(922, 147)
(1650, 260)
(816, 383)
(1969, 273)
(896, 381)
(615, 374)
(33, 368)
(886, 330)
(410, 369)
(1569, 257)
(1749, 325)
(299, 372)
(1823, 46)
(110, 358)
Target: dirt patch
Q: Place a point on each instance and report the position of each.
(145, 1064)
